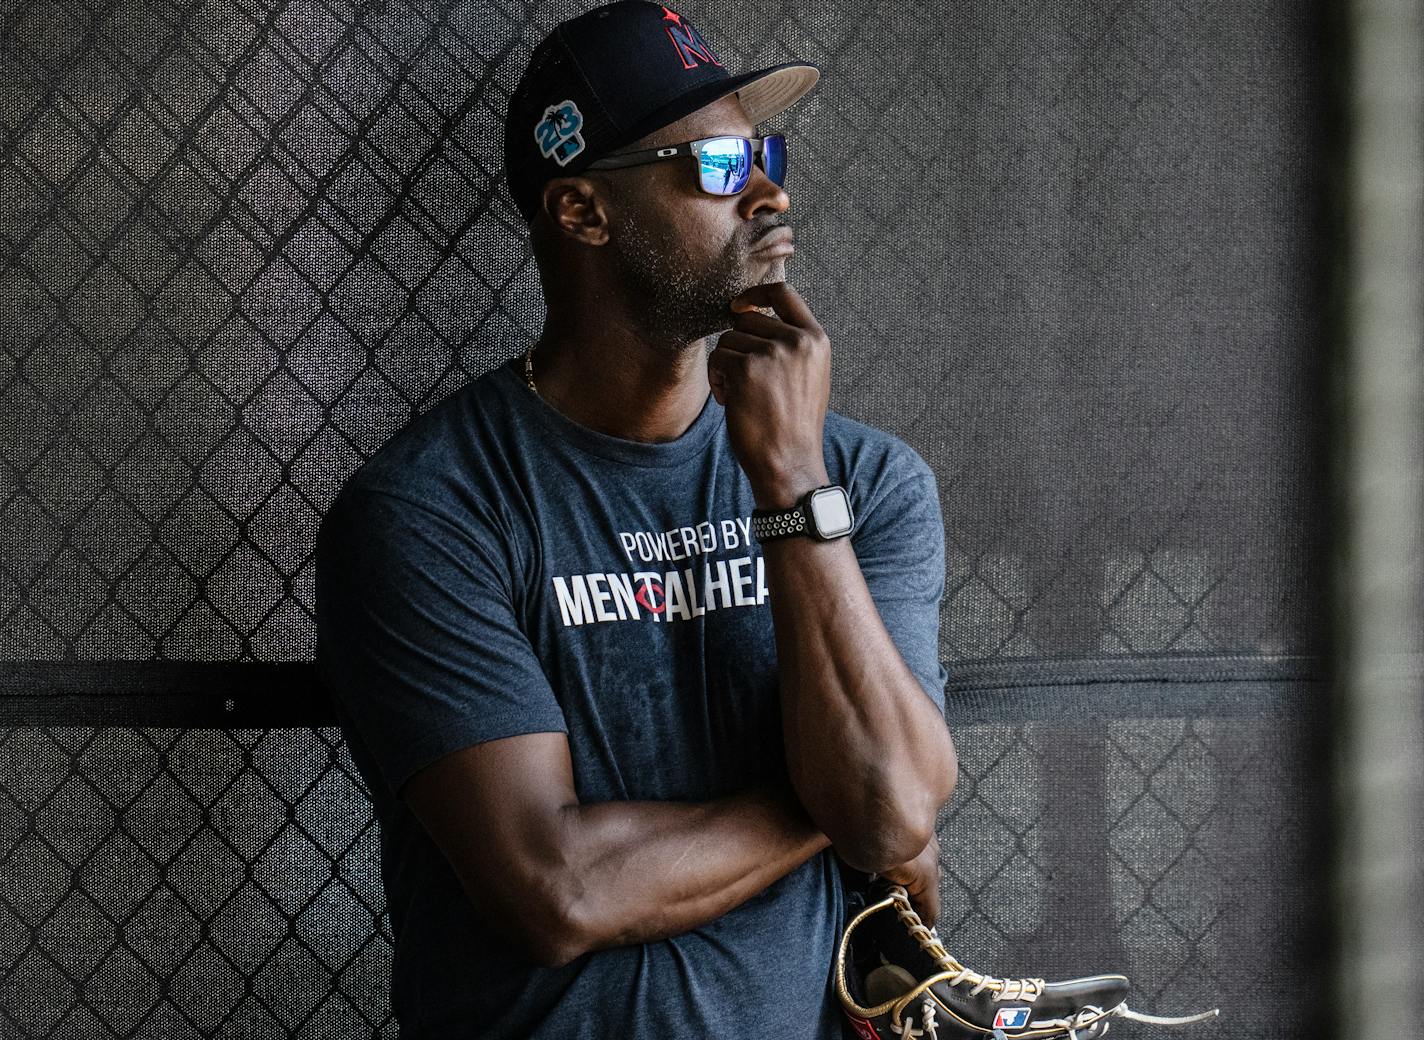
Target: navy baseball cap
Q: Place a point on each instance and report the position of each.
(606, 78)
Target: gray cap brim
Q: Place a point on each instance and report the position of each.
(775, 91)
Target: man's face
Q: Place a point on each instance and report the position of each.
(685, 253)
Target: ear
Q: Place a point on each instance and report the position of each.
(576, 207)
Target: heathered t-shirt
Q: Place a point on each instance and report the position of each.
(498, 569)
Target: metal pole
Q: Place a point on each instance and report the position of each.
(1379, 580)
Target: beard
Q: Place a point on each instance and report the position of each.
(682, 300)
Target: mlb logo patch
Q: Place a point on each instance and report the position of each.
(1011, 1018)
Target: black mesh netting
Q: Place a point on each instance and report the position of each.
(1067, 250)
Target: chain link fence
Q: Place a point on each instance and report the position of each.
(1067, 251)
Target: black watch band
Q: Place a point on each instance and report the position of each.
(822, 513)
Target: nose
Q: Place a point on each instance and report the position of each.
(762, 193)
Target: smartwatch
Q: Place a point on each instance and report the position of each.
(822, 513)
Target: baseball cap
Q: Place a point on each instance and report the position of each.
(607, 77)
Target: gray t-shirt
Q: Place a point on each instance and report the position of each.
(497, 569)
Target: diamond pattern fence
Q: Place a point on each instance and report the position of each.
(206, 882)
(1067, 251)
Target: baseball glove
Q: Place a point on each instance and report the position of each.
(894, 978)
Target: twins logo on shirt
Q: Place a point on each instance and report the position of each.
(665, 594)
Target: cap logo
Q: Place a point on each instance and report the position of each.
(558, 132)
(690, 46)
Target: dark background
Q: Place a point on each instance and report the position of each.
(1071, 252)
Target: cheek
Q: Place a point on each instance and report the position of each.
(685, 225)
(693, 241)
(713, 232)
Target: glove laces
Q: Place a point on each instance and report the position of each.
(954, 972)
(1090, 1011)
(1087, 1023)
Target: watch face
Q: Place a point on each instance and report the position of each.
(830, 508)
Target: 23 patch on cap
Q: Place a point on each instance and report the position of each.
(558, 132)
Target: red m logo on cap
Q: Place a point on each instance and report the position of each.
(691, 47)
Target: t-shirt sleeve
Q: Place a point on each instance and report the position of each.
(899, 542)
(417, 636)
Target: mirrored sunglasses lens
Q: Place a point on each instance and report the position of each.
(774, 158)
(725, 164)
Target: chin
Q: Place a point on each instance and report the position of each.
(774, 270)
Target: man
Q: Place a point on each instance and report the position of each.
(634, 643)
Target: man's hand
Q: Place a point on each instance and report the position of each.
(920, 876)
(773, 376)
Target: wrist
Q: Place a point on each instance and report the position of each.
(786, 489)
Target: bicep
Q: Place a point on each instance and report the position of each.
(499, 812)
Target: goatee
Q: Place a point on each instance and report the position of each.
(680, 303)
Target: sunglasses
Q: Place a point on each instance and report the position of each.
(724, 164)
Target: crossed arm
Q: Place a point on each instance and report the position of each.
(562, 878)
(870, 762)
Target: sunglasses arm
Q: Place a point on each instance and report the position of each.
(648, 155)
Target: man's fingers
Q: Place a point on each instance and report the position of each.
(725, 369)
(742, 343)
(726, 361)
(781, 298)
(756, 323)
(926, 900)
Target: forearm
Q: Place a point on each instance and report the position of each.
(636, 872)
(867, 751)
